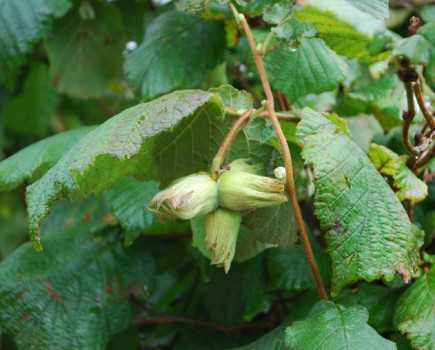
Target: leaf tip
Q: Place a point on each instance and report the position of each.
(36, 241)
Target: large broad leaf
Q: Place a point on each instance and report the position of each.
(22, 23)
(30, 111)
(330, 327)
(75, 295)
(409, 186)
(415, 312)
(32, 162)
(340, 36)
(163, 139)
(368, 230)
(92, 57)
(312, 68)
(177, 52)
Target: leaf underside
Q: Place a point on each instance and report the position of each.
(155, 140)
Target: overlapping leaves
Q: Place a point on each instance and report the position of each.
(92, 58)
(368, 230)
(76, 294)
(32, 162)
(409, 186)
(177, 52)
(155, 140)
(21, 24)
(311, 68)
(330, 326)
(415, 312)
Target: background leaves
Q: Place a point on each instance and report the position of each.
(177, 51)
(76, 294)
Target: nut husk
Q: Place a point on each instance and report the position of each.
(241, 191)
(222, 227)
(186, 198)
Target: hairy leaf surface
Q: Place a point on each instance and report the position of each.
(22, 23)
(330, 327)
(33, 161)
(176, 53)
(368, 230)
(415, 312)
(163, 139)
(75, 295)
(311, 68)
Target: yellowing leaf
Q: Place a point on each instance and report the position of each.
(409, 186)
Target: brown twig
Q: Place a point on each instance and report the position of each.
(429, 177)
(160, 318)
(427, 115)
(281, 101)
(408, 117)
(411, 210)
(287, 102)
(286, 154)
(281, 116)
(226, 143)
(236, 74)
(424, 159)
(103, 104)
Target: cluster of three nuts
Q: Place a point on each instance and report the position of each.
(220, 202)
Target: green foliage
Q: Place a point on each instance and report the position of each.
(312, 68)
(177, 51)
(368, 231)
(239, 295)
(115, 275)
(299, 277)
(409, 186)
(331, 326)
(21, 26)
(34, 161)
(377, 8)
(126, 141)
(338, 35)
(415, 312)
(39, 100)
(128, 199)
(92, 59)
(78, 272)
